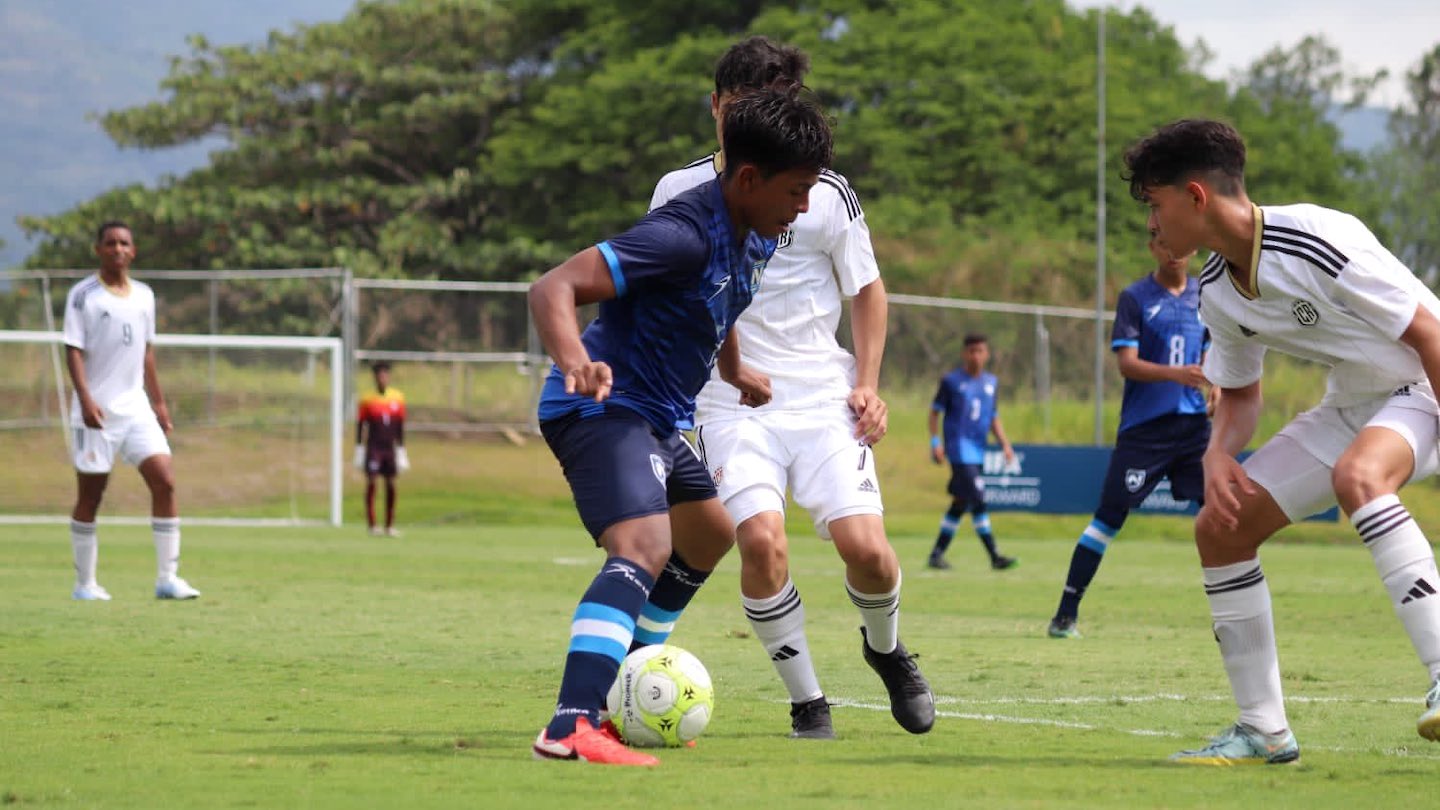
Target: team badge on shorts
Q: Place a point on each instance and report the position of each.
(1305, 313)
(718, 475)
(1134, 479)
(657, 466)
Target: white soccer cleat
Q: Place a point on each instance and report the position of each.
(174, 588)
(376, 531)
(392, 532)
(1429, 723)
(90, 593)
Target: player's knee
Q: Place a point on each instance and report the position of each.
(1209, 531)
(764, 551)
(874, 558)
(1360, 479)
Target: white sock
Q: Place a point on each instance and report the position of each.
(779, 623)
(1406, 565)
(86, 547)
(167, 546)
(1245, 628)
(880, 612)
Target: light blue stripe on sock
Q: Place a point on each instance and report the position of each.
(949, 524)
(608, 647)
(659, 616)
(1096, 537)
(982, 523)
(647, 637)
(604, 613)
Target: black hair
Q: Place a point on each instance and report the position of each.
(757, 62)
(776, 131)
(106, 226)
(975, 337)
(1182, 150)
(379, 365)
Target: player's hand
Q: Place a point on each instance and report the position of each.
(1223, 478)
(592, 379)
(93, 414)
(872, 415)
(162, 415)
(754, 387)
(402, 460)
(1012, 464)
(937, 454)
(1190, 375)
(359, 460)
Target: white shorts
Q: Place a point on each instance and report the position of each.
(1295, 465)
(133, 438)
(814, 454)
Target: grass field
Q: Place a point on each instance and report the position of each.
(323, 668)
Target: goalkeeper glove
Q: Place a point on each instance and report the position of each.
(359, 457)
(402, 459)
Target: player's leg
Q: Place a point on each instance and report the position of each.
(622, 502)
(1397, 446)
(980, 521)
(370, 501)
(144, 445)
(390, 494)
(961, 490)
(1289, 485)
(94, 456)
(835, 480)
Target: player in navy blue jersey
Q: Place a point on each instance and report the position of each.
(669, 290)
(1159, 342)
(966, 397)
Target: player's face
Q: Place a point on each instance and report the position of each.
(976, 356)
(718, 103)
(1176, 217)
(116, 249)
(382, 378)
(772, 203)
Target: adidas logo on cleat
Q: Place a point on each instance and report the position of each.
(868, 486)
(1419, 590)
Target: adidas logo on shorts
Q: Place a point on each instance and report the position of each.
(868, 486)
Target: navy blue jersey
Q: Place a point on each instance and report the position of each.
(968, 404)
(681, 277)
(1164, 329)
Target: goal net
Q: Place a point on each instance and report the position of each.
(258, 435)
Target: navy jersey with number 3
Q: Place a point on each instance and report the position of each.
(1163, 328)
(681, 278)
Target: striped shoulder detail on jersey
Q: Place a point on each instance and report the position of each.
(1214, 268)
(83, 289)
(699, 162)
(1304, 245)
(852, 203)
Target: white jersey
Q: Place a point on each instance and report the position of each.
(1329, 292)
(788, 331)
(113, 331)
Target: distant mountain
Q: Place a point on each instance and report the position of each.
(63, 61)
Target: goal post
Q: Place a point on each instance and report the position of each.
(276, 421)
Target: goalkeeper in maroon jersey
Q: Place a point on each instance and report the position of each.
(380, 445)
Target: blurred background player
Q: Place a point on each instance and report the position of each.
(380, 445)
(814, 436)
(1159, 343)
(118, 410)
(967, 399)
(1313, 283)
(669, 291)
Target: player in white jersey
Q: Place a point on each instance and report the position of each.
(1314, 283)
(814, 438)
(118, 409)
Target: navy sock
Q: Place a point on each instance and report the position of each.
(600, 636)
(981, 522)
(1084, 562)
(677, 585)
(948, 525)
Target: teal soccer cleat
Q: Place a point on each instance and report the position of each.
(1063, 627)
(1429, 723)
(1242, 745)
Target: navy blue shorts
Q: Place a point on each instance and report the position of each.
(1167, 447)
(965, 484)
(619, 468)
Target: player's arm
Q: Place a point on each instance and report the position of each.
(753, 385)
(1423, 335)
(152, 389)
(555, 297)
(89, 411)
(999, 430)
(869, 319)
(937, 447)
(402, 456)
(1237, 412)
(1133, 367)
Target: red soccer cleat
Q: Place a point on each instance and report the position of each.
(589, 744)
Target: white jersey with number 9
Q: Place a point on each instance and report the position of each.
(113, 331)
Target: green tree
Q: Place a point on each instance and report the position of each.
(1405, 177)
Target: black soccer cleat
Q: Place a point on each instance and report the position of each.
(912, 704)
(1001, 563)
(938, 562)
(811, 720)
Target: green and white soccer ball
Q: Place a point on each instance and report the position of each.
(662, 697)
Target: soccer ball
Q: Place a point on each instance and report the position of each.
(662, 697)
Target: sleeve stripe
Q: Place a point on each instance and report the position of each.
(1119, 344)
(1306, 254)
(1320, 246)
(614, 262)
(852, 203)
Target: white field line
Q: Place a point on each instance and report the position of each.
(1423, 751)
